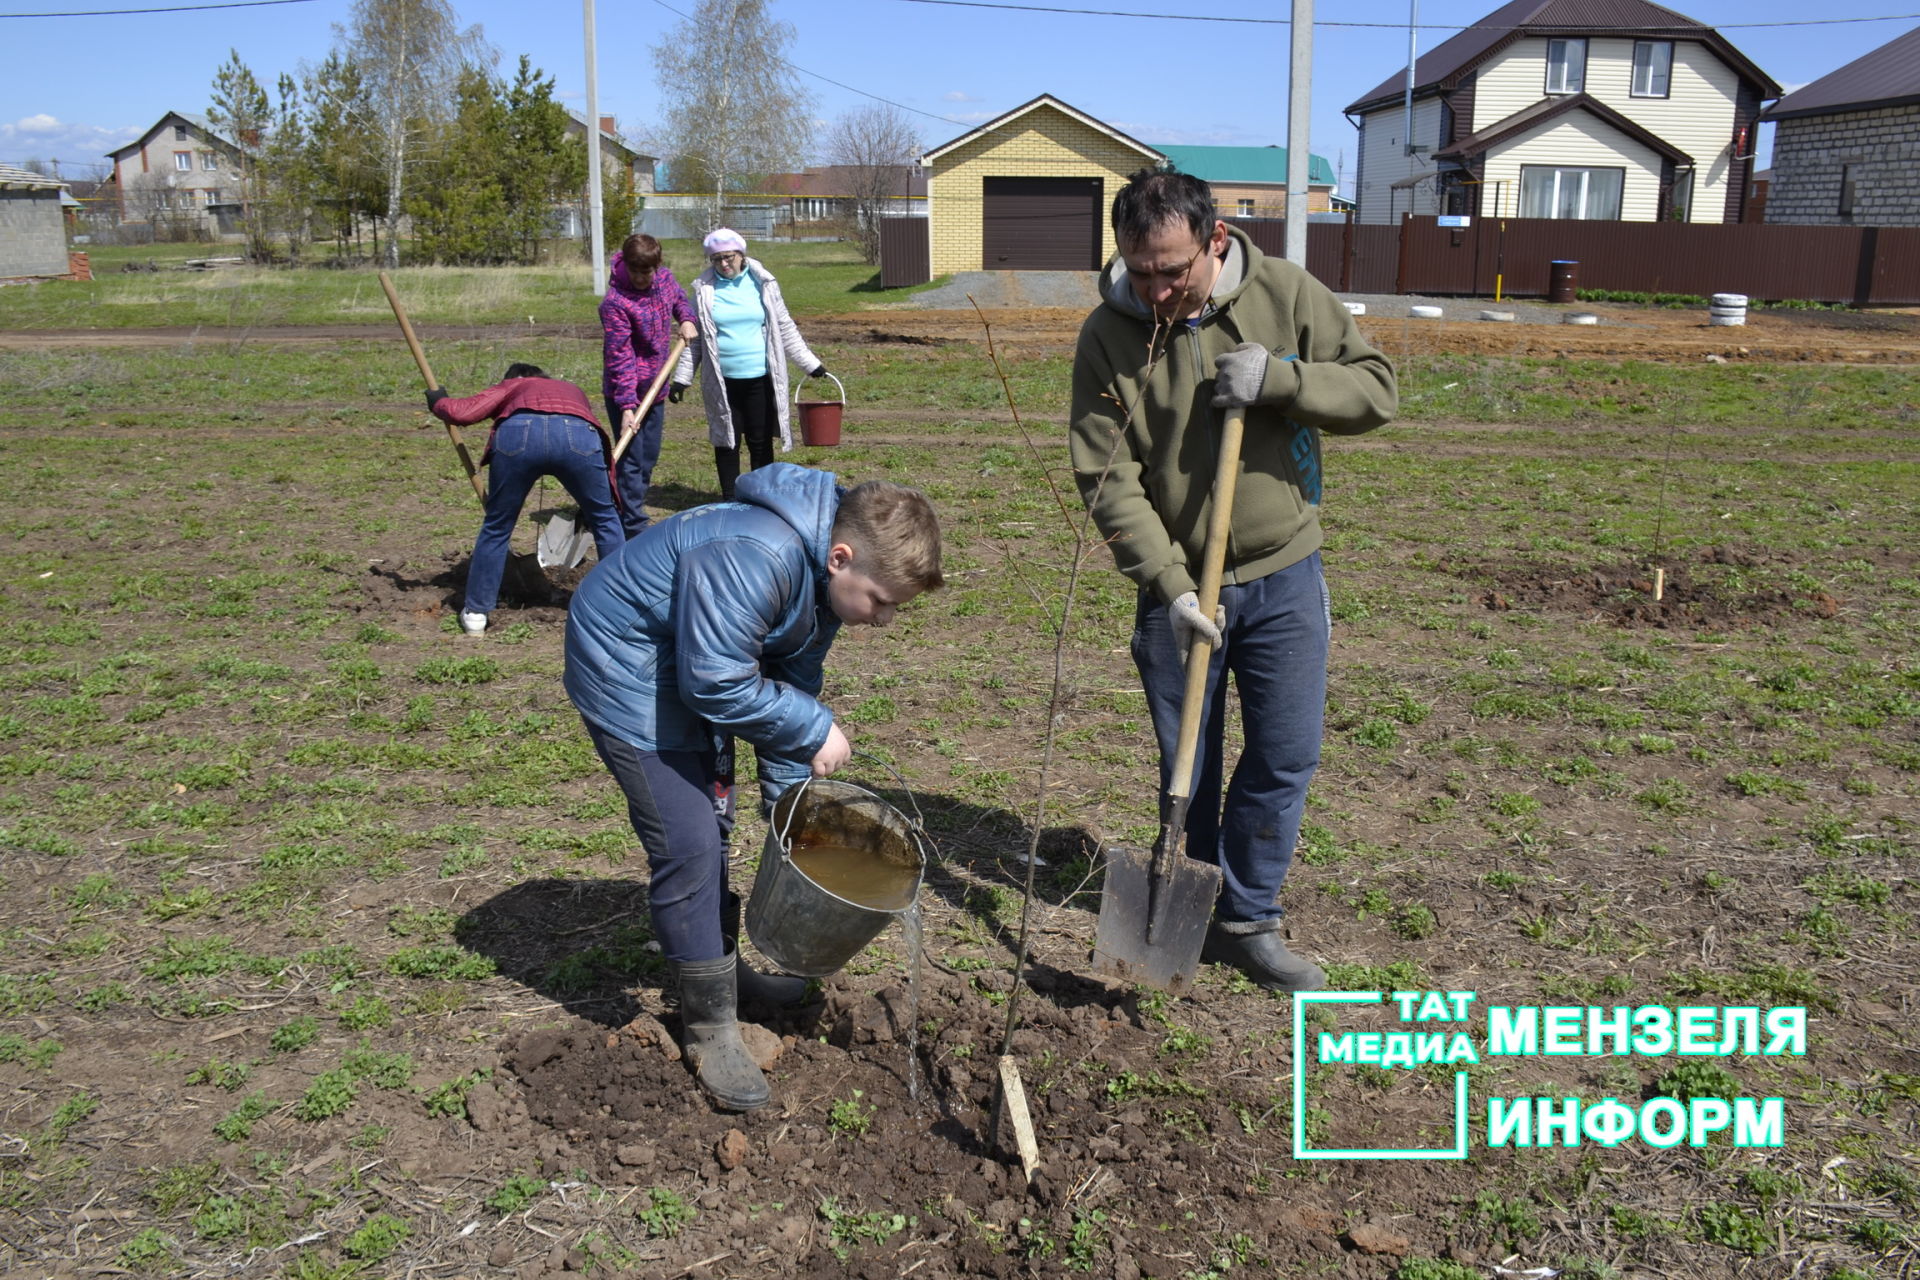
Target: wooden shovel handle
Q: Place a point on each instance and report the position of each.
(646, 402)
(1213, 563)
(433, 383)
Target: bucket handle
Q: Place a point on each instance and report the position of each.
(782, 837)
(830, 378)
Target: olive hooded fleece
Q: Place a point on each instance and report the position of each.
(1153, 503)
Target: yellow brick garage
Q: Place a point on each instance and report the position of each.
(1043, 175)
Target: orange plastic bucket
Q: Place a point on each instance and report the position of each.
(820, 419)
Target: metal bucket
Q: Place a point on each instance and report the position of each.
(801, 926)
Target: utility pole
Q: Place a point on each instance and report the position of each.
(1299, 131)
(595, 235)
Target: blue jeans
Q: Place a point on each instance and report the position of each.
(525, 447)
(682, 815)
(1275, 644)
(634, 474)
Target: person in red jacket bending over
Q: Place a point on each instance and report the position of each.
(541, 427)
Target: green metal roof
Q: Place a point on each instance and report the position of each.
(1244, 164)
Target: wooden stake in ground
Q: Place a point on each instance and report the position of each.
(1659, 584)
(1016, 1095)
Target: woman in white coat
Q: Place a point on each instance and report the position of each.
(746, 341)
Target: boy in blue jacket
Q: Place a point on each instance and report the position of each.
(715, 623)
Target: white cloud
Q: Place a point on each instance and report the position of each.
(44, 137)
(970, 117)
(960, 95)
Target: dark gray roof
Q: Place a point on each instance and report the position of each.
(1547, 109)
(1443, 65)
(1887, 77)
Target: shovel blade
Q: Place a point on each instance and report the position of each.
(563, 543)
(1172, 959)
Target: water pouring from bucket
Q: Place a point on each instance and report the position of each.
(840, 864)
(820, 419)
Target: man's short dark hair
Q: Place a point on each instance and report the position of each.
(1154, 197)
(523, 371)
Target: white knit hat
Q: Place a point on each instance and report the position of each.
(724, 240)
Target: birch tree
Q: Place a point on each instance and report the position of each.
(408, 55)
(875, 148)
(735, 111)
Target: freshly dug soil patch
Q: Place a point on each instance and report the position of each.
(1625, 595)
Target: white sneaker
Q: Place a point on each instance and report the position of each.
(473, 623)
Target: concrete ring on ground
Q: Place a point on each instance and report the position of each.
(1500, 316)
(1426, 313)
(1581, 317)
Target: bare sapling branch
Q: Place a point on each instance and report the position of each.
(1085, 545)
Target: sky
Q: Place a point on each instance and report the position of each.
(79, 86)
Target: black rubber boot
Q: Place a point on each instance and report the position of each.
(1262, 957)
(762, 988)
(709, 1017)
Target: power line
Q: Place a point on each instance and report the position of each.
(178, 8)
(1391, 26)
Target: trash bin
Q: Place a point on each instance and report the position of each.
(1563, 280)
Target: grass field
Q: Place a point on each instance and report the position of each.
(827, 277)
(292, 871)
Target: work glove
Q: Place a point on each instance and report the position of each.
(1188, 622)
(1238, 376)
(675, 391)
(821, 372)
(435, 395)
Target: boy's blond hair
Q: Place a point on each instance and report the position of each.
(893, 532)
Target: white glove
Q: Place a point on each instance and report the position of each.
(1188, 622)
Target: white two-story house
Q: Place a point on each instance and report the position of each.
(1611, 109)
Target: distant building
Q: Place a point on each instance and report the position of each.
(1251, 182)
(1845, 146)
(182, 177)
(825, 193)
(615, 153)
(33, 225)
(1605, 109)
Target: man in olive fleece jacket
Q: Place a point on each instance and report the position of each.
(1194, 321)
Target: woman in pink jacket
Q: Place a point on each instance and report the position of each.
(637, 318)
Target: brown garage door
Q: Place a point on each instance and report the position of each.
(1041, 224)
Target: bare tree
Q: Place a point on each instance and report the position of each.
(874, 148)
(408, 55)
(735, 111)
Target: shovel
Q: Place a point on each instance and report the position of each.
(525, 580)
(1155, 907)
(653, 393)
(563, 543)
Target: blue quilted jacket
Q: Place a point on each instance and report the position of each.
(715, 618)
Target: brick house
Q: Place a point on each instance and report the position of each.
(180, 176)
(1846, 148)
(1607, 109)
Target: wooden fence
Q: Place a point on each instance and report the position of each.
(1864, 266)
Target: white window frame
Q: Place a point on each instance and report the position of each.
(1644, 84)
(1572, 74)
(210, 195)
(1245, 207)
(183, 162)
(1562, 175)
(210, 161)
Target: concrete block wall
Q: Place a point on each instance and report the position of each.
(33, 234)
(1881, 145)
(1044, 143)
